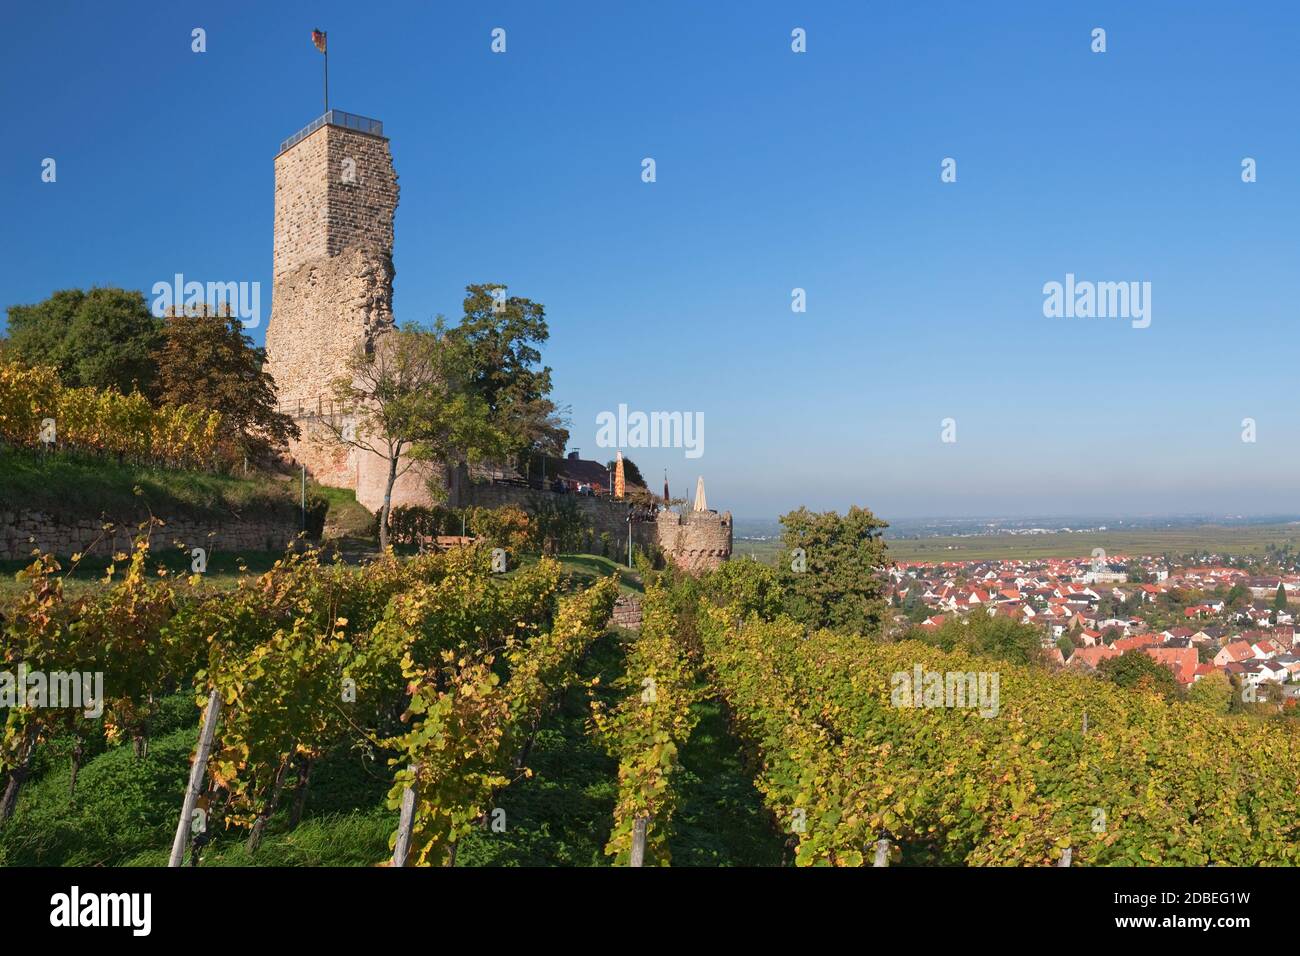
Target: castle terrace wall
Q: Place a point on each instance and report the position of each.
(696, 541)
(604, 515)
(627, 612)
(23, 531)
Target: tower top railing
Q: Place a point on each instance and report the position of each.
(362, 124)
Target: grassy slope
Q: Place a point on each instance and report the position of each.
(347, 518)
(585, 569)
(80, 487)
(224, 569)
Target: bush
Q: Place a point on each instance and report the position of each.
(558, 525)
(409, 524)
(318, 507)
(1136, 669)
(977, 633)
(508, 527)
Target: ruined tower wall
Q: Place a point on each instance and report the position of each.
(301, 203)
(336, 195)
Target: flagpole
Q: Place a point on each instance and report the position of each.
(327, 78)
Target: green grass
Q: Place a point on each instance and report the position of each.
(347, 518)
(345, 821)
(80, 487)
(586, 569)
(357, 838)
(123, 805)
(583, 570)
(721, 820)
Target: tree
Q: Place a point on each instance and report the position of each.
(1135, 669)
(104, 338)
(749, 587)
(1262, 699)
(1213, 691)
(978, 633)
(500, 335)
(631, 473)
(208, 361)
(831, 568)
(1065, 645)
(410, 399)
(1279, 599)
(915, 609)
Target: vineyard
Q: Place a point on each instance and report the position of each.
(37, 409)
(1120, 778)
(429, 711)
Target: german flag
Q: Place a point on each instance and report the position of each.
(318, 38)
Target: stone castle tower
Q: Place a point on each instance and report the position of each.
(335, 197)
(698, 540)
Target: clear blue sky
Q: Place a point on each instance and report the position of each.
(775, 170)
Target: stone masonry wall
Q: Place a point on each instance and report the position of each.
(335, 197)
(23, 531)
(362, 191)
(697, 540)
(627, 612)
(334, 190)
(301, 204)
(412, 487)
(604, 516)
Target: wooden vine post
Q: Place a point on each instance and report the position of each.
(405, 822)
(197, 774)
(882, 852)
(637, 856)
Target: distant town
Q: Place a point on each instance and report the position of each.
(1195, 616)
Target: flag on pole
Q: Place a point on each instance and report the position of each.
(318, 40)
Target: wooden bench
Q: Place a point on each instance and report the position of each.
(443, 542)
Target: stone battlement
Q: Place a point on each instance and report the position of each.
(696, 540)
